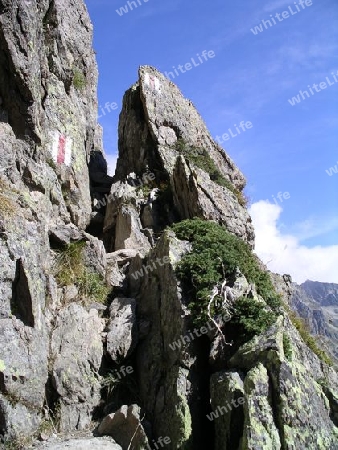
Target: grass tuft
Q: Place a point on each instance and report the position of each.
(70, 269)
(79, 80)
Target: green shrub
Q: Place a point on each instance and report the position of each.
(252, 317)
(201, 158)
(287, 347)
(70, 269)
(216, 254)
(309, 340)
(79, 80)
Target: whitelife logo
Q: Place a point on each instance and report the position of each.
(144, 270)
(109, 106)
(129, 6)
(332, 170)
(189, 336)
(220, 410)
(225, 137)
(190, 65)
(285, 15)
(317, 87)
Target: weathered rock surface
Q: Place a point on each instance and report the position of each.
(168, 116)
(23, 327)
(122, 220)
(48, 80)
(117, 266)
(292, 392)
(154, 118)
(226, 387)
(165, 385)
(125, 427)
(93, 443)
(76, 353)
(48, 127)
(121, 328)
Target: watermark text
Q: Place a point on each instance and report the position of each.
(300, 6)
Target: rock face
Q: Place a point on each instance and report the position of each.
(125, 427)
(48, 127)
(96, 324)
(122, 328)
(48, 80)
(76, 351)
(158, 130)
(82, 444)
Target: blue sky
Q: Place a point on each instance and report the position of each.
(251, 78)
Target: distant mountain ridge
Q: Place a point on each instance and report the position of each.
(326, 294)
(317, 304)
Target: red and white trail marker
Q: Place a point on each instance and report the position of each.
(62, 149)
(153, 82)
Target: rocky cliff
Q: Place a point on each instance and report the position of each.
(141, 315)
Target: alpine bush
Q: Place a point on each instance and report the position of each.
(252, 317)
(216, 254)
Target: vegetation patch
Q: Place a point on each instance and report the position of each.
(16, 444)
(79, 80)
(7, 206)
(216, 254)
(252, 317)
(201, 158)
(70, 269)
(287, 347)
(51, 163)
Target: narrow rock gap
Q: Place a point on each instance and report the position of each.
(199, 401)
(236, 425)
(21, 301)
(274, 400)
(333, 405)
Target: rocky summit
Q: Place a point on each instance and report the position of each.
(133, 311)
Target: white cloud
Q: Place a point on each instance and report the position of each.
(283, 253)
(111, 161)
